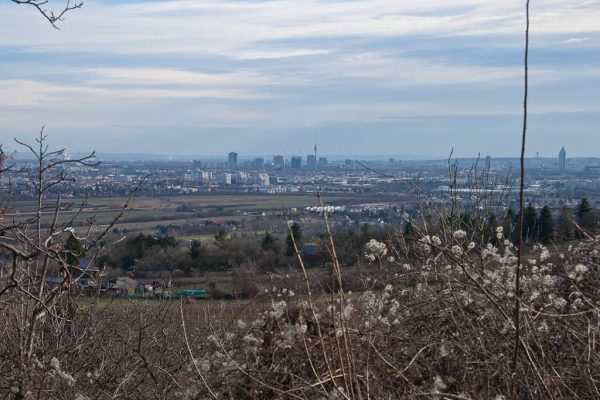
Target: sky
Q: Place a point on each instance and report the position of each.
(366, 77)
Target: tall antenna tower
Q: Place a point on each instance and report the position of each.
(316, 160)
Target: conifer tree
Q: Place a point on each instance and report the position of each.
(586, 216)
(74, 250)
(508, 224)
(195, 249)
(565, 228)
(296, 231)
(584, 208)
(546, 225)
(491, 224)
(409, 229)
(268, 242)
(530, 228)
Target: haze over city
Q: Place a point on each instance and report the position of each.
(265, 77)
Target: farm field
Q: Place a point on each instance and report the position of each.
(146, 213)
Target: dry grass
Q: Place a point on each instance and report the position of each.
(435, 326)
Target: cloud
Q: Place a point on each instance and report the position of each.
(291, 64)
(275, 54)
(29, 93)
(577, 40)
(178, 77)
(229, 27)
(414, 72)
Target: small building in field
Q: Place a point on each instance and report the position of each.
(86, 269)
(121, 286)
(311, 255)
(53, 282)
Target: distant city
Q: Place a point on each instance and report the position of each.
(557, 181)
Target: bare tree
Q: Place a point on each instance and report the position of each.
(38, 245)
(54, 17)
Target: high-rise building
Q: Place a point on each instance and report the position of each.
(562, 159)
(259, 163)
(296, 162)
(488, 163)
(232, 159)
(278, 162)
(322, 162)
(311, 162)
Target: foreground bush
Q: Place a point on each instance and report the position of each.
(438, 325)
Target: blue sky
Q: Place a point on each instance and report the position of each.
(410, 77)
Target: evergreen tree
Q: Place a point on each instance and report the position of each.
(584, 208)
(508, 224)
(221, 237)
(73, 250)
(565, 228)
(135, 247)
(587, 218)
(296, 231)
(546, 225)
(491, 224)
(466, 222)
(195, 249)
(409, 229)
(365, 230)
(530, 229)
(268, 242)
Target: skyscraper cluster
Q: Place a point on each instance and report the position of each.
(281, 161)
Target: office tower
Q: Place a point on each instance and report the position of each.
(259, 163)
(232, 159)
(296, 162)
(278, 162)
(322, 162)
(488, 163)
(562, 159)
(311, 162)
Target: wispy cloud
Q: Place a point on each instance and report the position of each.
(228, 27)
(29, 93)
(275, 54)
(164, 76)
(576, 40)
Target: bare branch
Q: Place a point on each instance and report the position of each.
(51, 16)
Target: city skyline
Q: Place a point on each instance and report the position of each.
(234, 158)
(365, 77)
